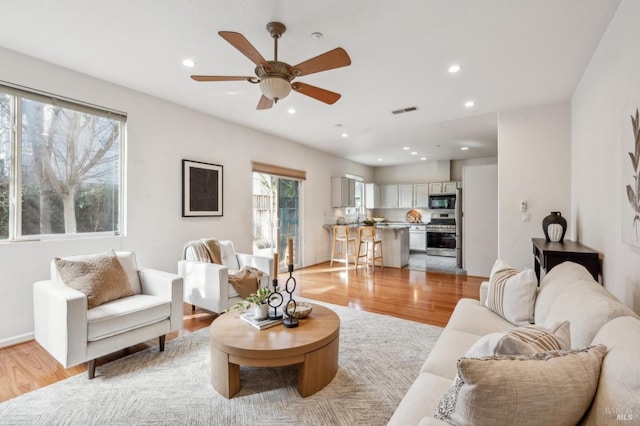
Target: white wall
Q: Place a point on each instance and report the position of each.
(160, 135)
(458, 165)
(601, 135)
(430, 171)
(533, 166)
(480, 218)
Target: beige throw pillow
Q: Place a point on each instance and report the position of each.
(528, 339)
(548, 388)
(512, 294)
(100, 277)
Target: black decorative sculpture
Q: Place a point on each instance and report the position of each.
(290, 305)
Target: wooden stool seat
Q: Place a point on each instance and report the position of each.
(341, 244)
(368, 236)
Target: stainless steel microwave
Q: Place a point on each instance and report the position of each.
(442, 202)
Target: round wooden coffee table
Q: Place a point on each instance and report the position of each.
(313, 345)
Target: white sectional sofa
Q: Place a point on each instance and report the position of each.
(567, 292)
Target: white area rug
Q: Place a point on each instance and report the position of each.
(380, 356)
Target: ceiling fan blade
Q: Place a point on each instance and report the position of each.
(239, 41)
(219, 78)
(264, 103)
(335, 58)
(322, 95)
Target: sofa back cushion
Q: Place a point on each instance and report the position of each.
(617, 399)
(554, 283)
(572, 295)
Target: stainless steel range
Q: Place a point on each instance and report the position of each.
(441, 237)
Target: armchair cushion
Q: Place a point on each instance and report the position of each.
(100, 277)
(122, 315)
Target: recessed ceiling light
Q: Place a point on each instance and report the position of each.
(317, 35)
(189, 63)
(406, 148)
(454, 68)
(379, 159)
(423, 158)
(344, 135)
(469, 104)
(291, 111)
(414, 153)
(464, 148)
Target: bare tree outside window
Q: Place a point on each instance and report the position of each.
(69, 168)
(5, 163)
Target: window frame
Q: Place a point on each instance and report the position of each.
(17, 93)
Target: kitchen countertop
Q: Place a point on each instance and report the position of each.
(385, 225)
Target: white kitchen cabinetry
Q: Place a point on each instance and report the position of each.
(372, 195)
(405, 195)
(343, 192)
(436, 188)
(421, 195)
(449, 187)
(389, 196)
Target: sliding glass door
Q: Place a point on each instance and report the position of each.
(276, 217)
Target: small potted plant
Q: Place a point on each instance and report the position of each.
(258, 300)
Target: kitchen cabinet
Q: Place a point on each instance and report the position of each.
(421, 195)
(436, 188)
(343, 192)
(413, 195)
(405, 195)
(372, 195)
(389, 196)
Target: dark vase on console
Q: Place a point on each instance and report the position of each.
(554, 218)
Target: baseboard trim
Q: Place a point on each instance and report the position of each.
(16, 339)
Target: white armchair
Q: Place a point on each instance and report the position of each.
(207, 284)
(74, 334)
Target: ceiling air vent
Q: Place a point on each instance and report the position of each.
(401, 111)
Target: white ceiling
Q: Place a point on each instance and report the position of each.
(514, 53)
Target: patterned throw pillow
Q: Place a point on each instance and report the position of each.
(548, 388)
(100, 277)
(512, 294)
(524, 340)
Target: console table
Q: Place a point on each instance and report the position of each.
(547, 255)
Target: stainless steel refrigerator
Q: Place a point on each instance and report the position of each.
(458, 216)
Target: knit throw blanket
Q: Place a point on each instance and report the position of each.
(245, 281)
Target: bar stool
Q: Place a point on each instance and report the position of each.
(343, 240)
(367, 236)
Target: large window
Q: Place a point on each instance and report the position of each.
(60, 166)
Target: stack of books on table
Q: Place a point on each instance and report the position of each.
(259, 324)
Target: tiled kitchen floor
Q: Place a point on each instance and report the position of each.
(424, 262)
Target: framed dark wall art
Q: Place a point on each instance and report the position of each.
(201, 189)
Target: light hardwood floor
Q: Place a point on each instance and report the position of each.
(414, 295)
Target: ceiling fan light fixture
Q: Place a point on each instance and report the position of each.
(275, 88)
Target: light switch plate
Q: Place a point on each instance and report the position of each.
(526, 217)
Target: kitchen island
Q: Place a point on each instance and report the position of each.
(395, 242)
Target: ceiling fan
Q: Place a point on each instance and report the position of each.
(275, 77)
